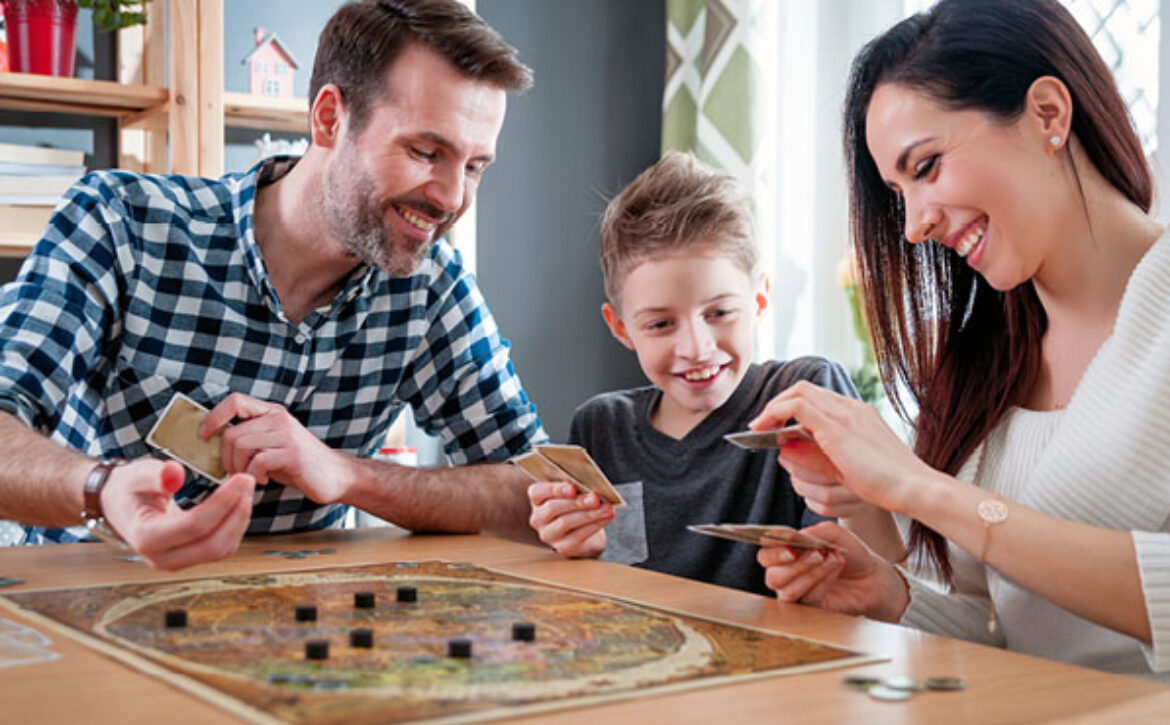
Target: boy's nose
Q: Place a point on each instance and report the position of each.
(694, 342)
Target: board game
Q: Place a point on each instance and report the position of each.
(468, 644)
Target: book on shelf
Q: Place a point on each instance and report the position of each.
(14, 168)
(21, 154)
(28, 221)
(35, 185)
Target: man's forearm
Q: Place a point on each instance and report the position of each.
(460, 499)
(40, 481)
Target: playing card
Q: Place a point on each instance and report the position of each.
(762, 440)
(176, 434)
(574, 461)
(760, 535)
(540, 468)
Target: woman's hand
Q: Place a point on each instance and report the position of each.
(854, 447)
(851, 579)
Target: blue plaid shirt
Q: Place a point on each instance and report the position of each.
(146, 285)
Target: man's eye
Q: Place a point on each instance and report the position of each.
(924, 167)
(425, 155)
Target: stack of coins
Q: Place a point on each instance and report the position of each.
(896, 689)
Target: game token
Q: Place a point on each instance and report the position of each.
(460, 647)
(946, 684)
(306, 613)
(317, 649)
(176, 618)
(889, 694)
(361, 638)
(524, 631)
(363, 600)
(8, 582)
(407, 594)
(903, 683)
(860, 682)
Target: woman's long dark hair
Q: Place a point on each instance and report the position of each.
(964, 352)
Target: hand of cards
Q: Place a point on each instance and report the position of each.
(762, 440)
(176, 434)
(568, 463)
(763, 535)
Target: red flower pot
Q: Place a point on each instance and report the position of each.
(41, 36)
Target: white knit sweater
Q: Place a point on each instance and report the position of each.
(1105, 461)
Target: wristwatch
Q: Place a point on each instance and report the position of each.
(94, 518)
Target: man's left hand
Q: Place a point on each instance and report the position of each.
(267, 442)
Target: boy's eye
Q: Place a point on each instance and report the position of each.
(925, 166)
(655, 325)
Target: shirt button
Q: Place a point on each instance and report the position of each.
(301, 338)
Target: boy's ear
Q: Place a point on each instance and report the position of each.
(617, 328)
(763, 288)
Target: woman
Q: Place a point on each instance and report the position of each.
(1028, 318)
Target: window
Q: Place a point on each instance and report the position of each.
(272, 87)
(281, 68)
(261, 66)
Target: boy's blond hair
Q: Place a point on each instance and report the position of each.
(677, 204)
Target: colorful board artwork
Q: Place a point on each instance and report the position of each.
(243, 648)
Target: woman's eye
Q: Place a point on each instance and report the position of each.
(924, 167)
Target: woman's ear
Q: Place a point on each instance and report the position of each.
(1051, 108)
(617, 328)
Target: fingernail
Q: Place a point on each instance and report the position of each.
(785, 555)
(815, 558)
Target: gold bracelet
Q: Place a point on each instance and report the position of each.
(991, 511)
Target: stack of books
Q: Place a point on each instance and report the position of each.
(32, 181)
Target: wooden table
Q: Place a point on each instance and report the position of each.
(87, 688)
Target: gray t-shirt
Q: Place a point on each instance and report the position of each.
(701, 479)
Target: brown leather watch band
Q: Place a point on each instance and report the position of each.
(94, 483)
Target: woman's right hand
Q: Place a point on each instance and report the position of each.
(850, 580)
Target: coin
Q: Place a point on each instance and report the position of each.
(860, 682)
(889, 694)
(944, 683)
(903, 683)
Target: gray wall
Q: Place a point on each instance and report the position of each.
(589, 126)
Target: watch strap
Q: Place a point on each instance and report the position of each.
(94, 483)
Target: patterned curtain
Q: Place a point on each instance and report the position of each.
(715, 104)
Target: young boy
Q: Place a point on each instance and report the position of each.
(679, 260)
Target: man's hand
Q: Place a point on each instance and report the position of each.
(268, 443)
(138, 503)
(572, 524)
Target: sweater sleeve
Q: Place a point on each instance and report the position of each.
(1152, 551)
(961, 612)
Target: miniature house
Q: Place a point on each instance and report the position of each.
(270, 67)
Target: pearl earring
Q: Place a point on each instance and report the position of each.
(1055, 141)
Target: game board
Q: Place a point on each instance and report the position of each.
(243, 650)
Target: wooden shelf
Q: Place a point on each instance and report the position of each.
(273, 114)
(15, 248)
(31, 92)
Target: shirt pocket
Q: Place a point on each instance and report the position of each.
(625, 537)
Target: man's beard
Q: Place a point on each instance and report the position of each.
(359, 223)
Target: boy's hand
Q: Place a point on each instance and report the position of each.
(572, 524)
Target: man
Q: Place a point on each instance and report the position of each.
(306, 302)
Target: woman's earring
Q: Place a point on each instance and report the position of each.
(1055, 141)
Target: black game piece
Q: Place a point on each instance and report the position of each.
(306, 613)
(176, 618)
(407, 594)
(363, 600)
(361, 638)
(459, 647)
(317, 649)
(524, 631)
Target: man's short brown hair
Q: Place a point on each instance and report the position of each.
(678, 204)
(363, 39)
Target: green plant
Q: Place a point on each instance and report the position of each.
(865, 376)
(111, 15)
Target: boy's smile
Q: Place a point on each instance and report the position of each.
(690, 317)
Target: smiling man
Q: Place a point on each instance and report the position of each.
(306, 302)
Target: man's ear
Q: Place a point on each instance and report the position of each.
(763, 291)
(326, 115)
(617, 328)
(1050, 106)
